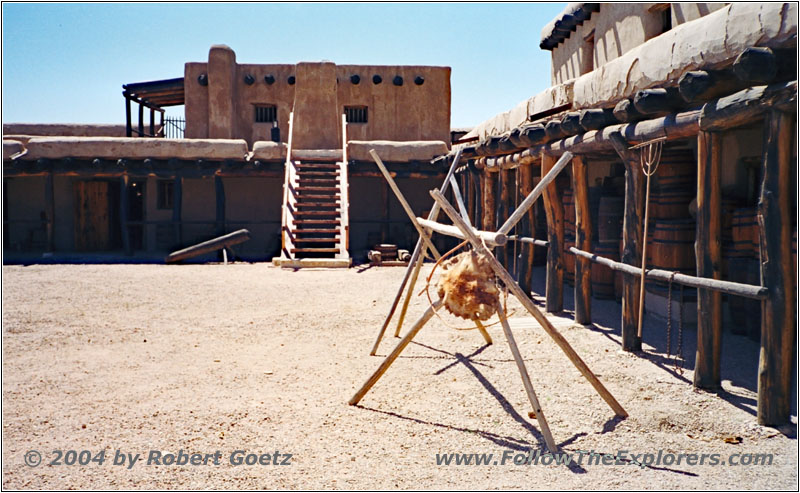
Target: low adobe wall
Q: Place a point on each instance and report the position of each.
(65, 129)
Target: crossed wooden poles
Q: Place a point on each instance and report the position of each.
(478, 240)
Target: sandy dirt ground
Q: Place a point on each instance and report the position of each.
(207, 358)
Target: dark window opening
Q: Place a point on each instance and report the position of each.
(356, 114)
(587, 60)
(165, 194)
(266, 113)
(666, 19)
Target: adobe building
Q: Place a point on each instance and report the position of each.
(282, 150)
(711, 86)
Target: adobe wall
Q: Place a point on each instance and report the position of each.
(404, 112)
(618, 28)
(65, 129)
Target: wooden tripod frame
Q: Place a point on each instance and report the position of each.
(470, 234)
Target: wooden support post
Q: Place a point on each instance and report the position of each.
(152, 122)
(778, 320)
(123, 214)
(470, 196)
(489, 186)
(503, 212)
(385, 223)
(219, 188)
(141, 120)
(50, 211)
(583, 241)
(526, 382)
(177, 203)
(631, 241)
(128, 125)
(708, 251)
(527, 229)
(395, 353)
(555, 237)
(529, 305)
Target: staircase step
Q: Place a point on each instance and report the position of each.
(304, 196)
(317, 240)
(315, 250)
(316, 180)
(316, 166)
(317, 204)
(316, 213)
(300, 231)
(304, 173)
(302, 188)
(315, 221)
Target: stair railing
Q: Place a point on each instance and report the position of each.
(287, 243)
(344, 225)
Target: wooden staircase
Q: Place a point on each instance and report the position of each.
(315, 226)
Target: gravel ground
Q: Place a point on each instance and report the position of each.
(207, 358)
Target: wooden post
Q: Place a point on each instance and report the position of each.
(708, 250)
(177, 203)
(50, 211)
(141, 120)
(778, 321)
(631, 240)
(123, 214)
(469, 195)
(526, 382)
(503, 212)
(385, 217)
(152, 122)
(128, 127)
(555, 237)
(219, 188)
(583, 241)
(528, 228)
(489, 186)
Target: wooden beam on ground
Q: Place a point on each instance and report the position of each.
(553, 201)
(529, 305)
(631, 241)
(212, 245)
(708, 252)
(583, 240)
(779, 322)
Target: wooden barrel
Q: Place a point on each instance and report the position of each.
(672, 245)
(603, 278)
(674, 185)
(569, 259)
(745, 233)
(609, 218)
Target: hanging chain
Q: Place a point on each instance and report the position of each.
(679, 355)
(669, 316)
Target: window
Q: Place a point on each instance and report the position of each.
(587, 57)
(165, 194)
(266, 113)
(664, 11)
(356, 114)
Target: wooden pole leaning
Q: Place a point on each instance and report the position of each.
(414, 266)
(395, 353)
(422, 233)
(529, 305)
(526, 204)
(526, 382)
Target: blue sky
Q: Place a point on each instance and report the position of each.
(67, 62)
